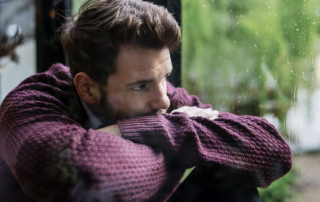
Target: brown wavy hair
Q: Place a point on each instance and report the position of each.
(92, 38)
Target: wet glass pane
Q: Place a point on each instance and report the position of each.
(17, 20)
(76, 5)
(260, 58)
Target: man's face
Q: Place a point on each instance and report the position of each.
(138, 87)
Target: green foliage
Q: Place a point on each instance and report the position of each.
(76, 5)
(279, 191)
(248, 57)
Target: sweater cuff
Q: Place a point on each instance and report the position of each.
(138, 128)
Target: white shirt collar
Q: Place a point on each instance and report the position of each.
(94, 121)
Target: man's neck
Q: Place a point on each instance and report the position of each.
(93, 121)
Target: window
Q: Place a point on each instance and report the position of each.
(17, 16)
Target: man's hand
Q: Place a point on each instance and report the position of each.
(196, 111)
(113, 129)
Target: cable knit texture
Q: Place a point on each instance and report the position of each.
(46, 154)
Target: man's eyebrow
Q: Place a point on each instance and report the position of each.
(138, 82)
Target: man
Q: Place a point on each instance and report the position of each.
(111, 128)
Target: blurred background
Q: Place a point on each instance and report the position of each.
(248, 57)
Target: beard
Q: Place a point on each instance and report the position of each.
(109, 116)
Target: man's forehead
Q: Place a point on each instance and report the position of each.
(136, 66)
(137, 59)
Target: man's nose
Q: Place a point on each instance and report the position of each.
(159, 99)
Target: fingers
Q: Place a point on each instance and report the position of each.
(113, 129)
(196, 111)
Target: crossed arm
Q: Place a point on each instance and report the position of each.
(189, 111)
(53, 158)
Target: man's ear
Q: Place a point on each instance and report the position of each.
(88, 90)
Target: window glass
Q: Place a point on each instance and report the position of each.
(258, 58)
(17, 17)
(76, 5)
(253, 58)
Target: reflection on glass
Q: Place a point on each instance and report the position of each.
(258, 58)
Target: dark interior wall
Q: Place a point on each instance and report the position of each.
(50, 14)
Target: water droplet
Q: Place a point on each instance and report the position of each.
(255, 45)
(295, 24)
(288, 62)
(297, 29)
(204, 5)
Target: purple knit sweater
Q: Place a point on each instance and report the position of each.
(45, 149)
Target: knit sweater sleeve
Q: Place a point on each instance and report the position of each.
(54, 159)
(247, 147)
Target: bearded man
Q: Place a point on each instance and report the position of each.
(111, 128)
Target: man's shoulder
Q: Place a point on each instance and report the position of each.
(57, 72)
(47, 92)
(57, 77)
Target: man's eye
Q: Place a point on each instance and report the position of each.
(138, 88)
